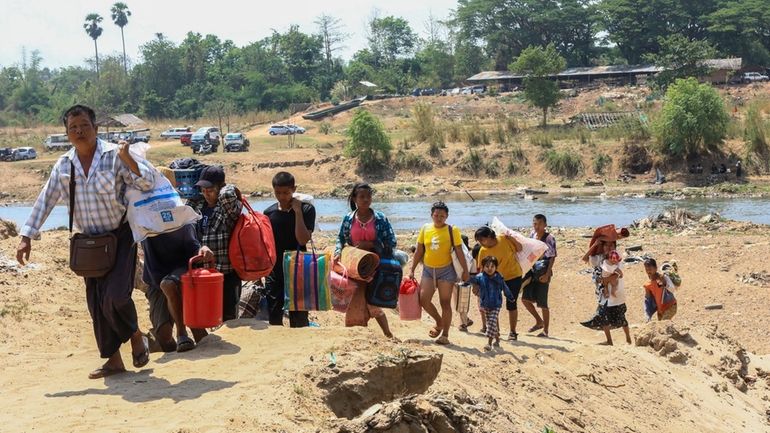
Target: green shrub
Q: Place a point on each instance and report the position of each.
(541, 139)
(756, 136)
(368, 141)
(513, 168)
(563, 163)
(411, 161)
(500, 135)
(492, 168)
(512, 125)
(423, 122)
(635, 158)
(453, 132)
(436, 143)
(475, 134)
(517, 153)
(600, 162)
(472, 163)
(693, 120)
(325, 128)
(583, 135)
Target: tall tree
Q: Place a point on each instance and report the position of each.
(680, 58)
(94, 30)
(390, 37)
(537, 63)
(505, 27)
(742, 28)
(636, 25)
(333, 36)
(120, 14)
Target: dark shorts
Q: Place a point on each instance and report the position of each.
(159, 314)
(537, 292)
(514, 285)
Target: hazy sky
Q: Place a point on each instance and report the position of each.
(55, 27)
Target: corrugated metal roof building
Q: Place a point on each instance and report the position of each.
(623, 73)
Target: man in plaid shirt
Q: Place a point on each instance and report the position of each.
(102, 172)
(220, 208)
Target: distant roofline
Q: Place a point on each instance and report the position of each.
(730, 63)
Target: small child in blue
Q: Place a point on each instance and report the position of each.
(489, 285)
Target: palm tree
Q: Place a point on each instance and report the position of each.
(94, 31)
(120, 14)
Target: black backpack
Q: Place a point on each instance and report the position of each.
(382, 291)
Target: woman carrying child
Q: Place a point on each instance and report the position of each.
(435, 244)
(489, 285)
(615, 313)
(370, 230)
(600, 322)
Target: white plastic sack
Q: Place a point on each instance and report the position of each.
(531, 249)
(468, 260)
(159, 210)
(304, 198)
(140, 149)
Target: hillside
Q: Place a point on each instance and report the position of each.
(513, 157)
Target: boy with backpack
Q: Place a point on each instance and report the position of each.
(219, 209)
(293, 222)
(540, 277)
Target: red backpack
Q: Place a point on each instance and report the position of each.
(252, 246)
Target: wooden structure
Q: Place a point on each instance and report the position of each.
(602, 120)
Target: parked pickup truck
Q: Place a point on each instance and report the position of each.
(236, 142)
(57, 142)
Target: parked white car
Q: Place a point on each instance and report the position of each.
(22, 153)
(57, 142)
(297, 129)
(754, 77)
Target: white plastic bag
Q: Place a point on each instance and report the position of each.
(531, 249)
(140, 149)
(159, 210)
(304, 198)
(468, 260)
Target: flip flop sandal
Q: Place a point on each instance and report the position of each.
(542, 335)
(434, 332)
(140, 360)
(443, 341)
(535, 328)
(105, 372)
(185, 344)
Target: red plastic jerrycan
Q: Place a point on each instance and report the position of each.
(202, 295)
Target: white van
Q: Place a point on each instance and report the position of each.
(175, 133)
(57, 142)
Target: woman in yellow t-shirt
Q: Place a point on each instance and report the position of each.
(505, 249)
(434, 250)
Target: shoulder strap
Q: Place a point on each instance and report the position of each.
(72, 192)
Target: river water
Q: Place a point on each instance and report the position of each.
(513, 211)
